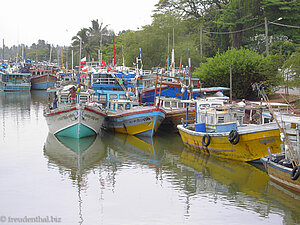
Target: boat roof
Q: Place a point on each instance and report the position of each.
(211, 89)
(113, 92)
(271, 103)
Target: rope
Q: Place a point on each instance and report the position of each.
(290, 149)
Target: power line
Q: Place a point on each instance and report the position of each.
(238, 31)
(233, 32)
(284, 25)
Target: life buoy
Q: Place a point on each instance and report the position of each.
(233, 137)
(206, 140)
(295, 173)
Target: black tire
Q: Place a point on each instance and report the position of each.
(295, 173)
(206, 140)
(234, 137)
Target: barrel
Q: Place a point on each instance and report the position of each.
(200, 127)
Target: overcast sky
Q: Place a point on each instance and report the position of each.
(57, 21)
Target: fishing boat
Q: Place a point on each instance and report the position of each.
(220, 131)
(284, 168)
(43, 76)
(175, 109)
(14, 78)
(124, 115)
(81, 119)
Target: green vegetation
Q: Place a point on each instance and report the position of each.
(233, 33)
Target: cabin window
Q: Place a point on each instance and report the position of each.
(167, 104)
(114, 106)
(134, 105)
(113, 96)
(122, 96)
(83, 99)
(102, 98)
(63, 98)
(127, 106)
(204, 106)
(120, 106)
(221, 119)
(109, 105)
(180, 105)
(174, 104)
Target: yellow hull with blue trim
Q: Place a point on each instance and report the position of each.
(253, 143)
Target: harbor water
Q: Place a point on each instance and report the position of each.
(117, 179)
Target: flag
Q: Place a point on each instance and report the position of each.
(84, 69)
(82, 75)
(109, 69)
(83, 61)
(103, 64)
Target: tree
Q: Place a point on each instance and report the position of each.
(291, 70)
(248, 67)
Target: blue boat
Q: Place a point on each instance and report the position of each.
(12, 80)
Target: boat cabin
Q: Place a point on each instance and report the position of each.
(173, 103)
(103, 96)
(121, 105)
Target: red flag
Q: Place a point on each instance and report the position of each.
(82, 75)
(103, 64)
(109, 69)
(83, 61)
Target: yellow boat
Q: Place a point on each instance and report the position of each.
(125, 116)
(220, 132)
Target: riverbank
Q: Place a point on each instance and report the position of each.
(293, 99)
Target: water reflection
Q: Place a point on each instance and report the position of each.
(76, 157)
(16, 106)
(242, 184)
(139, 149)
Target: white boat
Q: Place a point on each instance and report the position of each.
(284, 168)
(84, 118)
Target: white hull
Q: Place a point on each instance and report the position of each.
(75, 120)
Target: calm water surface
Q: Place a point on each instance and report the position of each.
(117, 179)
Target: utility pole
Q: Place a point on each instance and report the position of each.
(201, 42)
(266, 34)
(230, 85)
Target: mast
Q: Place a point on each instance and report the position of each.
(190, 75)
(3, 51)
(173, 56)
(50, 54)
(123, 56)
(114, 49)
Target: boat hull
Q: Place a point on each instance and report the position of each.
(43, 82)
(252, 145)
(281, 174)
(15, 87)
(75, 121)
(173, 118)
(143, 122)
